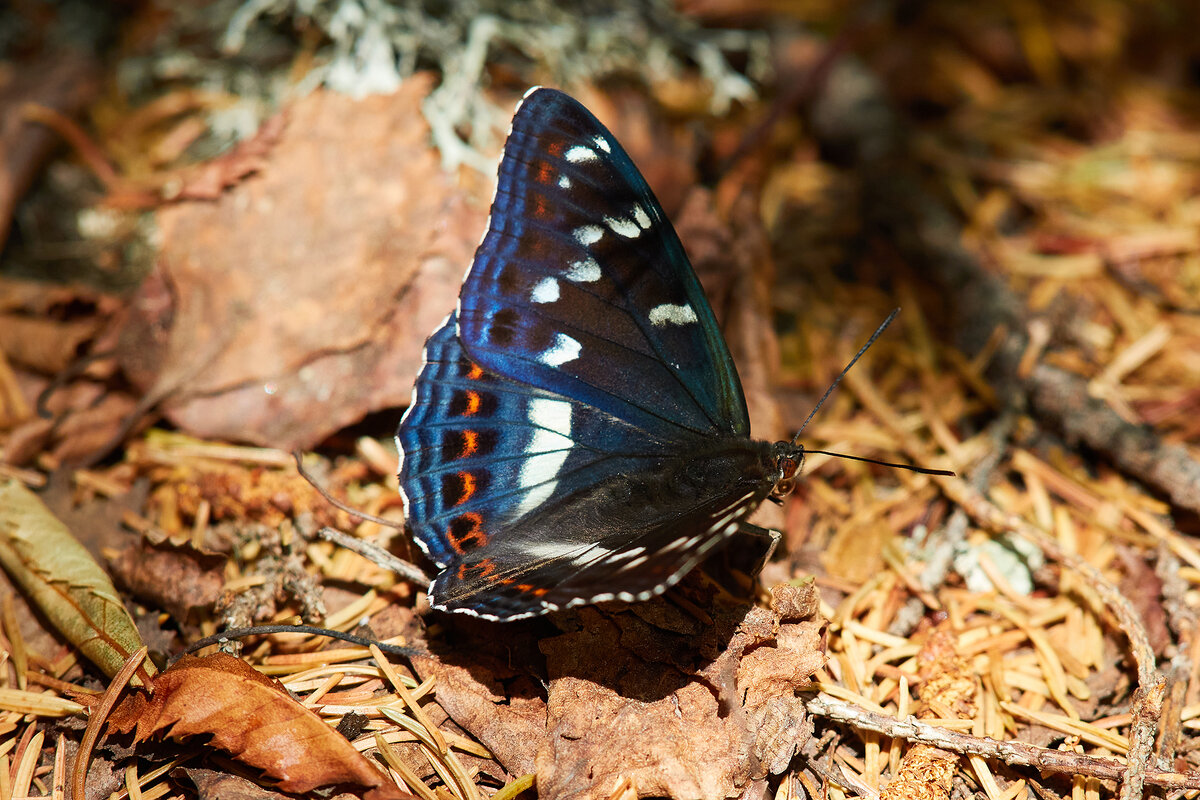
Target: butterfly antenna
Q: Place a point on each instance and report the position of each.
(878, 331)
(909, 467)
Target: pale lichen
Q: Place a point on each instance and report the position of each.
(370, 46)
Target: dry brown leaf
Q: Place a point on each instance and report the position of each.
(512, 727)
(181, 580)
(299, 299)
(249, 716)
(623, 706)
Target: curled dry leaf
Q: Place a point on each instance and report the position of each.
(62, 578)
(298, 300)
(181, 579)
(249, 716)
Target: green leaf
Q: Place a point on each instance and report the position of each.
(45, 559)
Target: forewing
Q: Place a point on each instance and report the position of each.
(581, 287)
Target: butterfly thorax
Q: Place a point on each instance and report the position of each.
(713, 472)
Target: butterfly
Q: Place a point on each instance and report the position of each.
(578, 432)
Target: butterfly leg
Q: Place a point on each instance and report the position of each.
(742, 557)
(758, 545)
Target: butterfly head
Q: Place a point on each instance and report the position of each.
(788, 458)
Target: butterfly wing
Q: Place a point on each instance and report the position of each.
(622, 537)
(530, 501)
(581, 287)
(479, 451)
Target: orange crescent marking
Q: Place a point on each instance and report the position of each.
(473, 534)
(468, 487)
(485, 568)
(470, 443)
(475, 373)
(473, 404)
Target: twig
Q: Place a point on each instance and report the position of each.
(308, 630)
(70, 130)
(298, 457)
(1011, 753)
(1062, 399)
(1182, 620)
(376, 554)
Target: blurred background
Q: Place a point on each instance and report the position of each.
(227, 228)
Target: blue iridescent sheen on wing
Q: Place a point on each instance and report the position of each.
(478, 451)
(581, 286)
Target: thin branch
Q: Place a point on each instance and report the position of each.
(376, 554)
(1011, 753)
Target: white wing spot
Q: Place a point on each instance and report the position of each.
(579, 154)
(586, 271)
(602, 143)
(565, 349)
(588, 234)
(730, 528)
(641, 216)
(546, 291)
(564, 182)
(546, 452)
(626, 227)
(667, 314)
